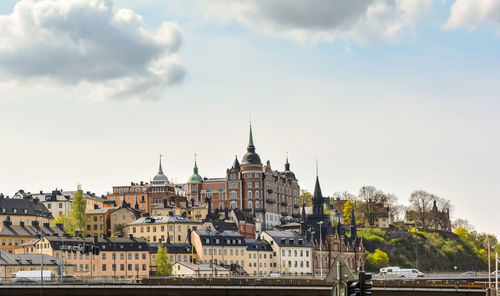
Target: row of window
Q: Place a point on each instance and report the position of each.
(295, 253)
(296, 263)
(127, 190)
(103, 256)
(113, 267)
(208, 251)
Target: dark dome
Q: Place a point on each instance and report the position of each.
(251, 158)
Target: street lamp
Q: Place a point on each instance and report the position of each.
(320, 223)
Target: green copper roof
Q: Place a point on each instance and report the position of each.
(195, 178)
(250, 141)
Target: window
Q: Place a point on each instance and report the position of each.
(250, 205)
(257, 194)
(256, 184)
(257, 204)
(104, 267)
(234, 205)
(209, 188)
(122, 267)
(249, 194)
(233, 176)
(114, 217)
(232, 195)
(249, 184)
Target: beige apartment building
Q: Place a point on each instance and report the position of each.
(260, 258)
(119, 257)
(166, 229)
(226, 247)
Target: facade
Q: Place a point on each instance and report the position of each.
(23, 210)
(120, 217)
(98, 221)
(12, 263)
(226, 247)
(260, 260)
(60, 202)
(177, 253)
(161, 229)
(190, 209)
(245, 222)
(250, 186)
(119, 257)
(14, 235)
(328, 241)
(292, 253)
(146, 196)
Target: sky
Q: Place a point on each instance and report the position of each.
(401, 95)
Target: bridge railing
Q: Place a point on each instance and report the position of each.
(423, 283)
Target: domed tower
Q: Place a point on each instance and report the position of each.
(252, 178)
(194, 184)
(160, 179)
(251, 160)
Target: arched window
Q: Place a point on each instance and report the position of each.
(249, 204)
(234, 205)
(257, 204)
(257, 194)
(249, 194)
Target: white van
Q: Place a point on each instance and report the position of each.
(34, 275)
(397, 272)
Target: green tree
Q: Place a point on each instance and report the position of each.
(348, 206)
(163, 265)
(376, 260)
(67, 221)
(78, 210)
(306, 197)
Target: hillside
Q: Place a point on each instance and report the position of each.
(426, 251)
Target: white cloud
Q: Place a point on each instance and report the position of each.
(311, 21)
(89, 44)
(470, 14)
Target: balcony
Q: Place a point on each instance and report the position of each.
(296, 206)
(270, 200)
(284, 203)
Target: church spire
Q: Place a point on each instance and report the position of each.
(287, 164)
(318, 199)
(195, 169)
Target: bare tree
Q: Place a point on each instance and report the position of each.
(372, 200)
(462, 223)
(421, 203)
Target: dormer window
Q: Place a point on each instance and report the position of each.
(14, 210)
(26, 211)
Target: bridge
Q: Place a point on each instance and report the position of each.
(240, 287)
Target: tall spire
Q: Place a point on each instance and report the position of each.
(250, 140)
(318, 199)
(195, 169)
(287, 164)
(160, 170)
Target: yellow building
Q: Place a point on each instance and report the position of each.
(24, 209)
(13, 235)
(200, 270)
(12, 263)
(98, 222)
(170, 229)
(120, 217)
(196, 212)
(227, 247)
(120, 256)
(260, 260)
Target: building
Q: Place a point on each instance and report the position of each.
(182, 253)
(14, 235)
(60, 202)
(118, 257)
(121, 217)
(260, 260)
(98, 221)
(23, 210)
(199, 269)
(245, 221)
(12, 263)
(190, 209)
(250, 186)
(226, 247)
(156, 229)
(328, 241)
(292, 253)
(147, 196)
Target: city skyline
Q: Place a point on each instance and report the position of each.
(399, 96)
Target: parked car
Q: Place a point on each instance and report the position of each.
(272, 275)
(470, 273)
(70, 279)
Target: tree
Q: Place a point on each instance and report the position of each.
(163, 265)
(421, 203)
(348, 207)
(69, 224)
(376, 260)
(118, 229)
(373, 200)
(78, 210)
(306, 197)
(462, 223)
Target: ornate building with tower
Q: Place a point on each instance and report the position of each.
(329, 241)
(272, 196)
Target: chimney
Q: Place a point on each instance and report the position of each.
(7, 222)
